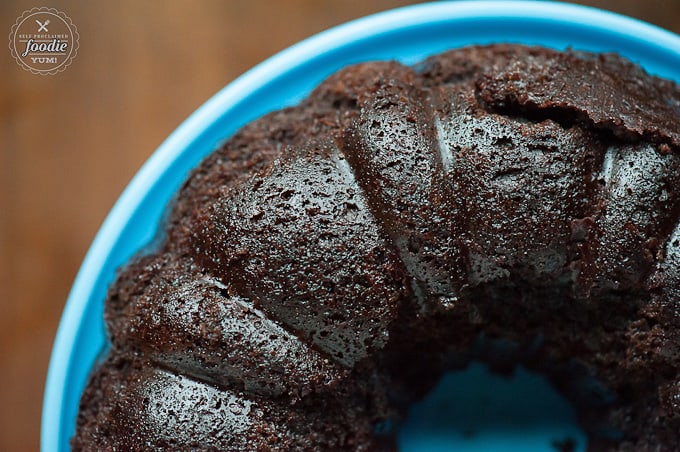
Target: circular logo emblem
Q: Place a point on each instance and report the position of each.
(44, 41)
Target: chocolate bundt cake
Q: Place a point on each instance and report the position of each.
(322, 269)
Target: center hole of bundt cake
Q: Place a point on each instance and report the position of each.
(476, 410)
(520, 368)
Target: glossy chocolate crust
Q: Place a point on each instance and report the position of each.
(324, 267)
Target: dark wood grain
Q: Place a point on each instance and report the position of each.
(69, 143)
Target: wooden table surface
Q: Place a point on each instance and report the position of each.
(69, 143)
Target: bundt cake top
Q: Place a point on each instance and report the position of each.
(396, 214)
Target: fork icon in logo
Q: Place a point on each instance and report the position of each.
(42, 26)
